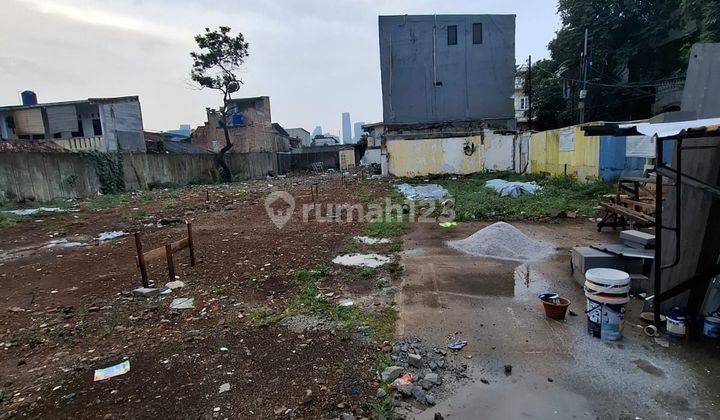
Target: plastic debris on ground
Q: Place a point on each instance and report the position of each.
(182, 303)
(346, 303)
(512, 188)
(505, 242)
(457, 344)
(30, 212)
(372, 241)
(62, 243)
(104, 236)
(362, 260)
(447, 224)
(423, 192)
(112, 371)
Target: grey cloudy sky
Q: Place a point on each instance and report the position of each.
(314, 58)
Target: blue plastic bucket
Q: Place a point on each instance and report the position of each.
(711, 327)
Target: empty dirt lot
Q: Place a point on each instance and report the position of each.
(70, 310)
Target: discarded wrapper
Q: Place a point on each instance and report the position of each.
(112, 371)
(447, 224)
(457, 344)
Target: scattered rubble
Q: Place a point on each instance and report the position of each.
(182, 303)
(418, 370)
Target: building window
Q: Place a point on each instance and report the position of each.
(524, 104)
(452, 34)
(477, 33)
(97, 127)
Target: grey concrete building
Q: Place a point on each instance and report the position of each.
(442, 68)
(104, 124)
(357, 131)
(346, 128)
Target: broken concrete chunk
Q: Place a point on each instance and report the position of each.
(404, 387)
(381, 392)
(391, 373)
(182, 303)
(433, 378)
(146, 291)
(224, 388)
(430, 399)
(419, 394)
(415, 360)
(175, 284)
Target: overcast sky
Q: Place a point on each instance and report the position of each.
(314, 58)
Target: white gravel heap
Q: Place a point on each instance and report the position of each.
(503, 241)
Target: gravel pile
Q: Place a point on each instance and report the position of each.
(505, 242)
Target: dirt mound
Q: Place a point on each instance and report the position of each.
(503, 241)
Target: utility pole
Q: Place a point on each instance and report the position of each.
(529, 93)
(583, 90)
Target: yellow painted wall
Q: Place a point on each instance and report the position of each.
(347, 158)
(410, 158)
(582, 163)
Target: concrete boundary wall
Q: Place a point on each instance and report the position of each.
(33, 176)
(453, 155)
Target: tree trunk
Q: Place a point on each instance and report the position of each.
(225, 175)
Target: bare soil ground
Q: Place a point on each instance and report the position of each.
(68, 311)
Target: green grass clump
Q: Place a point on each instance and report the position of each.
(309, 300)
(262, 316)
(9, 219)
(475, 201)
(383, 229)
(103, 202)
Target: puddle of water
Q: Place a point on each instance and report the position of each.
(362, 260)
(648, 367)
(529, 282)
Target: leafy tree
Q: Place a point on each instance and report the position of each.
(217, 66)
(634, 45)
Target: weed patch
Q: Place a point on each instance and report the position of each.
(474, 201)
(262, 316)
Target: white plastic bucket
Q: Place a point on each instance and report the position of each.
(606, 291)
(676, 322)
(711, 327)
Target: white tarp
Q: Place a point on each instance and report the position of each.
(670, 129)
(567, 139)
(640, 146)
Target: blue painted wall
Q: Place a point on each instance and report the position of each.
(614, 163)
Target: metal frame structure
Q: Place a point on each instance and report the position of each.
(679, 178)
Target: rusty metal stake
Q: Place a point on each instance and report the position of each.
(207, 196)
(141, 260)
(170, 263)
(190, 244)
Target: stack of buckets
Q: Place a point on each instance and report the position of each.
(607, 292)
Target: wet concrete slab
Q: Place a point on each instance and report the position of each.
(559, 371)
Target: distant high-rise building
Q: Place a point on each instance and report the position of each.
(346, 128)
(357, 130)
(317, 131)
